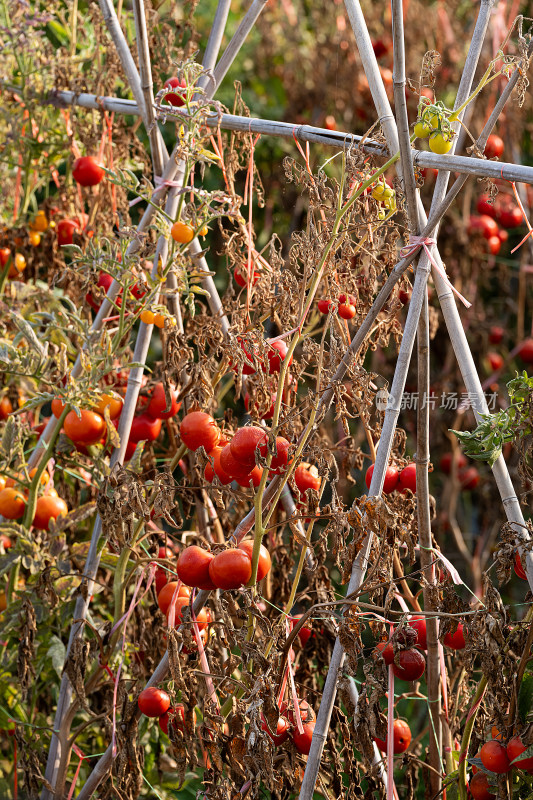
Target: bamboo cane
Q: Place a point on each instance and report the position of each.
(157, 145)
(422, 439)
(307, 133)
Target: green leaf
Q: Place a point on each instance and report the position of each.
(57, 653)
(525, 696)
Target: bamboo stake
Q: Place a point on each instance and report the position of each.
(159, 155)
(422, 439)
(130, 70)
(307, 133)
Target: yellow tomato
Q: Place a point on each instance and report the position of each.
(204, 230)
(35, 238)
(439, 144)
(18, 266)
(421, 130)
(182, 233)
(147, 316)
(40, 223)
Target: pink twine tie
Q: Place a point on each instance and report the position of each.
(426, 242)
(159, 181)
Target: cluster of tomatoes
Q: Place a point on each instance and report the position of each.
(229, 569)
(87, 426)
(395, 479)
(234, 459)
(468, 476)
(14, 498)
(433, 123)
(346, 304)
(498, 759)
(494, 220)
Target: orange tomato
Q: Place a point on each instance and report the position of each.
(48, 507)
(12, 503)
(182, 233)
(112, 402)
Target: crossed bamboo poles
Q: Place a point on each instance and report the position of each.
(374, 489)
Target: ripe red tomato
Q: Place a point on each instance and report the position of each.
(113, 402)
(244, 443)
(484, 207)
(254, 476)
(281, 459)
(302, 741)
(324, 306)
(66, 229)
(306, 477)
(230, 466)
(160, 577)
(158, 404)
(48, 507)
(518, 568)
(176, 99)
(305, 633)
(494, 146)
(6, 407)
(264, 563)
(144, 427)
(12, 503)
(392, 477)
(193, 567)
(407, 479)
(503, 235)
(199, 429)
(248, 367)
(380, 48)
(457, 640)
(216, 468)
(447, 460)
(411, 666)
(87, 171)
(104, 282)
(164, 597)
(176, 717)
(401, 738)
(515, 748)
(5, 252)
(479, 787)
(346, 306)
(494, 757)
(496, 361)
(307, 713)
(276, 355)
(87, 429)
(385, 650)
(419, 625)
(282, 730)
(494, 244)
(469, 478)
(153, 702)
(230, 569)
(404, 296)
(526, 351)
(509, 216)
(242, 277)
(179, 605)
(496, 334)
(483, 224)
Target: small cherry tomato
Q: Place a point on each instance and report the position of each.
(494, 757)
(144, 428)
(182, 233)
(176, 99)
(419, 625)
(216, 468)
(483, 224)
(456, 640)
(281, 459)
(515, 748)
(483, 206)
(87, 428)
(479, 787)
(48, 507)
(282, 730)
(447, 461)
(526, 351)
(6, 408)
(421, 130)
(193, 567)
(496, 361)
(12, 503)
(264, 564)
(496, 334)
(302, 741)
(254, 476)
(243, 278)
(401, 737)
(244, 444)
(113, 402)
(147, 316)
(153, 702)
(411, 665)
(494, 146)
(199, 429)
(178, 606)
(306, 477)
(439, 143)
(157, 407)
(87, 171)
(230, 569)
(276, 355)
(494, 244)
(407, 479)
(66, 229)
(392, 477)
(166, 594)
(468, 478)
(518, 568)
(324, 306)
(386, 651)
